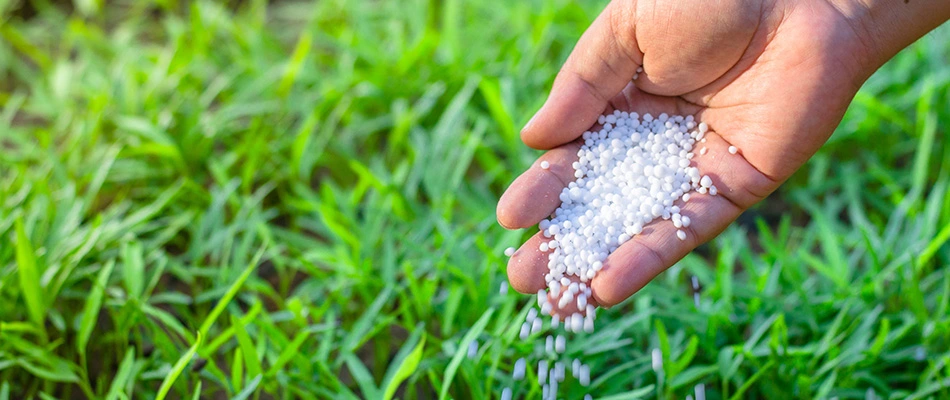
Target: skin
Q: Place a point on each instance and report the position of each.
(771, 77)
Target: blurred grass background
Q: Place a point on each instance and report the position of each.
(295, 199)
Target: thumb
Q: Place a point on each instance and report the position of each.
(602, 63)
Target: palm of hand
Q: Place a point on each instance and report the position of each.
(771, 78)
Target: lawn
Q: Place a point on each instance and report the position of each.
(296, 200)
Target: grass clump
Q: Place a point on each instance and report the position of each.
(298, 198)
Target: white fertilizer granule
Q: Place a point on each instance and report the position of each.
(520, 365)
(629, 173)
(657, 361)
(473, 349)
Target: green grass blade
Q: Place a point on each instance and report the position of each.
(362, 376)
(249, 389)
(633, 394)
(29, 276)
(748, 384)
(405, 363)
(59, 371)
(289, 352)
(197, 393)
(247, 347)
(928, 390)
(453, 366)
(133, 269)
(177, 369)
(296, 61)
(927, 129)
(362, 326)
(124, 373)
(237, 368)
(90, 312)
(232, 291)
(935, 245)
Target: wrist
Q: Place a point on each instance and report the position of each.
(885, 27)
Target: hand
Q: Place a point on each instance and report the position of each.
(772, 78)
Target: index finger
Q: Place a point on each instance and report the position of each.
(602, 63)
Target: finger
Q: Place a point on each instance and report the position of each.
(642, 258)
(600, 66)
(534, 195)
(528, 265)
(527, 268)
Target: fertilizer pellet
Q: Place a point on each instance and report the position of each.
(577, 322)
(542, 371)
(589, 324)
(584, 375)
(520, 365)
(506, 394)
(588, 397)
(510, 252)
(733, 149)
(546, 308)
(920, 354)
(565, 299)
(473, 349)
(700, 391)
(629, 173)
(657, 361)
(560, 344)
(503, 289)
(627, 168)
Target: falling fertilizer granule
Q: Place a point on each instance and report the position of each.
(629, 173)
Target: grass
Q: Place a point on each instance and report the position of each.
(296, 200)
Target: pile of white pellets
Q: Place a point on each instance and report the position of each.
(629, 173)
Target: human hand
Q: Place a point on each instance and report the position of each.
(772, 78)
